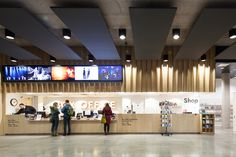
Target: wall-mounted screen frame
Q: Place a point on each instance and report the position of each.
(62, 73)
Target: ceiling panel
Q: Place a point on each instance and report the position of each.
(229, 53)
(150, 30)
(88, 25)
(11, 50)
(25, 25)
(210, 26)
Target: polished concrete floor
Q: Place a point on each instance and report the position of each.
(222, 144)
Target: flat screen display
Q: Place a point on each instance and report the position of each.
(63, 73)
(15, 73)
(42, 73)
(86, 73)
(24, 73)
(105, 73)
(111, 73)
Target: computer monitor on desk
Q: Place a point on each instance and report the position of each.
(88, 113)
(43, 113)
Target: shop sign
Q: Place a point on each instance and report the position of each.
(191, 100)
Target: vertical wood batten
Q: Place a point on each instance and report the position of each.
(139, 76)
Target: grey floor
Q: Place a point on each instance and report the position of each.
(222, 144)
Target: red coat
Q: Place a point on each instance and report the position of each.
(108, 114)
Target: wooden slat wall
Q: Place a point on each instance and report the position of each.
(139, 76)
(1, 109)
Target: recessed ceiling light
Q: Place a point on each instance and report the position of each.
(66, 33)
(52, 59)
(13, 60)
(122, 33)
(128, 58)
(223, 65)
(9, 34)
(90, 58)
(203, 58)
(176, 33)
(232, 33)
(165, 58)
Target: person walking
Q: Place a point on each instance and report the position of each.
(67, 117)
(54, 118)
(107, 112)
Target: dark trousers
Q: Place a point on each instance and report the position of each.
(54, 127)
(106, 128)
(67, 126)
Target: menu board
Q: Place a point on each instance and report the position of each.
(106, 73)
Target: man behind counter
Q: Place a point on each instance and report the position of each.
(26, 109)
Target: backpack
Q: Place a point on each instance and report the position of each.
(70, 111)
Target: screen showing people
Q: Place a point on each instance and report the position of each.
(86, 73)
(38, 73)
(63, 73)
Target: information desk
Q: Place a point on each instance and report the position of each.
(124, 123)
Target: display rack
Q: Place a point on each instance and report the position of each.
(208, 123)
(166, 117)
(216, 109)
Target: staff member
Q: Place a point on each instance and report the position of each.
(26, 109)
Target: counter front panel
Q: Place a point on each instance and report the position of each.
(124, 123)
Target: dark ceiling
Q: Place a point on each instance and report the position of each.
(95, 23)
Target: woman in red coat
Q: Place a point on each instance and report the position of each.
(108, 114)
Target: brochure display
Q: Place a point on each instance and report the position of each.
(166, 117)
(208, 123)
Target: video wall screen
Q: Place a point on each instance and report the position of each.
(105, 73)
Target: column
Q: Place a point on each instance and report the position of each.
(225, 99)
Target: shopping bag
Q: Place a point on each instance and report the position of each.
(103, 120)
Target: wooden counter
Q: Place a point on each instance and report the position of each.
(124, 123)
(151, 123)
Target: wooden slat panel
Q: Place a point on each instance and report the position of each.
(139, 76)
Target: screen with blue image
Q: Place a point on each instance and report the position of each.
(27, 73)
(111, 73)
(39, 73)
(15, 73)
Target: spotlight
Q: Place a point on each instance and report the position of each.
(52, 59)
(176, 33)
(9, 34)
(128, 58)
(66, 33)
(122, 33)
(90, 58)
(165, 58)
(232, 33)
(13, 60)
(203, 58)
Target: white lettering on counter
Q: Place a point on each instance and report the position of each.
(96, 105)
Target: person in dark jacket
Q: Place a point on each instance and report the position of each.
(54, 118)
(26, 109)
(108, 114)
(67, 118)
